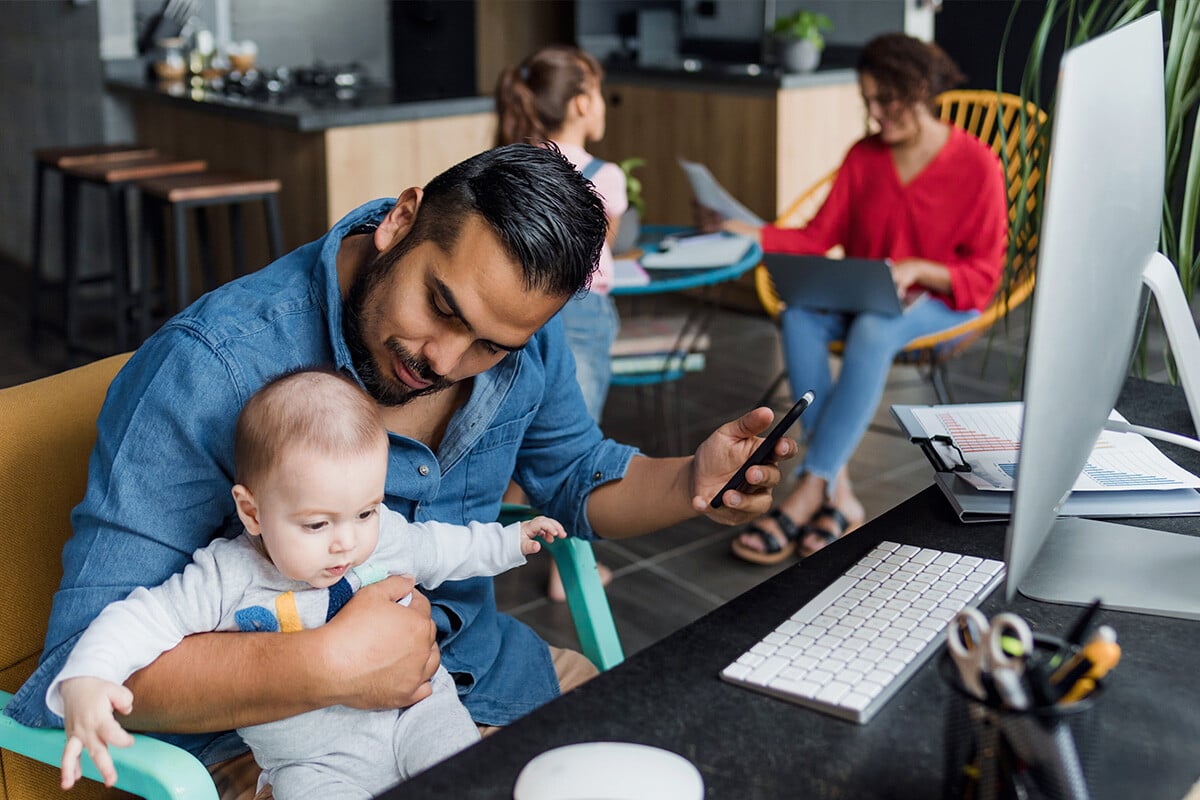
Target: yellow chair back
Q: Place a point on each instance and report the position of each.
(47, 430)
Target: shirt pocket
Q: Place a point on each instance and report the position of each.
(489, 466)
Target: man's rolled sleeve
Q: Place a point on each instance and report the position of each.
(563, 455)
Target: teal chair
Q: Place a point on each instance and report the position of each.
(585, 593)
(150, 768)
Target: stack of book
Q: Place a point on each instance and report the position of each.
(628, 272)
(658, 344)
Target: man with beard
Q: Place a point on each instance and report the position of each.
(442, 304)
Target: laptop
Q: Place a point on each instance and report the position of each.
(834, 284)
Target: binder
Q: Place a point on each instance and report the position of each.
(975, 505)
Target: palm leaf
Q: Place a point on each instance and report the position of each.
(1076, 21)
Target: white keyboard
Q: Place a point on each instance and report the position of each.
(850, 648)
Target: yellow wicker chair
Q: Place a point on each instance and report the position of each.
(47, 429)
(985, 114)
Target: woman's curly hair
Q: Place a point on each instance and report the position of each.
(907, 69)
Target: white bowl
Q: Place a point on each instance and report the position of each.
(609, 771)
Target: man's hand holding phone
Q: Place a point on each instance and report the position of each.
(763, 452)
(757, 473)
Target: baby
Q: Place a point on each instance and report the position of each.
(311, 459)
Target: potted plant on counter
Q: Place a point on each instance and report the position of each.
(631, 221)
(799, 40)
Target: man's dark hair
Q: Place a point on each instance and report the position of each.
(547, 215)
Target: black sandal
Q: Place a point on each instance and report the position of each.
(773, 551)
(825, 535)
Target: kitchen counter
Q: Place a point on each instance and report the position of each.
(744, 78)
(332, 153)
(301, 108)
(310, 109)
(695, 71)
(764, 134)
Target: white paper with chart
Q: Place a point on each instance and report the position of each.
(988, 436)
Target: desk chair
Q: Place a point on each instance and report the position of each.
(996, 120)
(47, 430)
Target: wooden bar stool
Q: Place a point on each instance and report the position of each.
(115, 177)
(175, 195)
(50, 161)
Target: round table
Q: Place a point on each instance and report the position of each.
(666, 373)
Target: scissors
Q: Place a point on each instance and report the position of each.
(990, 656)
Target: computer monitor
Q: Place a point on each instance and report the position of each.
(1099, 235)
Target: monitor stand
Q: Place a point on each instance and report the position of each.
(1141, 570)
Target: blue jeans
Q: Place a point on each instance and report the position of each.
(838, 417)
(591, 324)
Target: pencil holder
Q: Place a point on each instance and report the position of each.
(995, 753)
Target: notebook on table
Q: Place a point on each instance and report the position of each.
(700, 252)
(852, 285)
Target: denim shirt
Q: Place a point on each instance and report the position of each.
(160, 475)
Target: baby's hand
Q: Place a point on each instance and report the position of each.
(544, 527)
(88, 705)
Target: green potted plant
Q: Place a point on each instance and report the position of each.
(799, 39)
(631, 221)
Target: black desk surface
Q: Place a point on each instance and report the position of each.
(1146, 724)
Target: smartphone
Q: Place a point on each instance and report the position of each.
(764, 449)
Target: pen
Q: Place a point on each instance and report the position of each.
(1077, 678)
(1037, 676)
(1076, 634)
(1080, 628)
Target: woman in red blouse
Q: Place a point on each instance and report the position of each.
(930, 198)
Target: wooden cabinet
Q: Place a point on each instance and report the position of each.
(815, 127)
(363, 162)
(734, 135)
(764, 145)
(325, 173)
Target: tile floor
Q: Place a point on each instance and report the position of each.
(663, 581)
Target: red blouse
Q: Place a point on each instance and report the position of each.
(953, 212)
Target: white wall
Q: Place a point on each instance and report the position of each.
(295, 33)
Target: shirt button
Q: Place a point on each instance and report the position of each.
(597, 475)
(423, 470)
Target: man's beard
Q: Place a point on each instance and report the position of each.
(379, 380)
